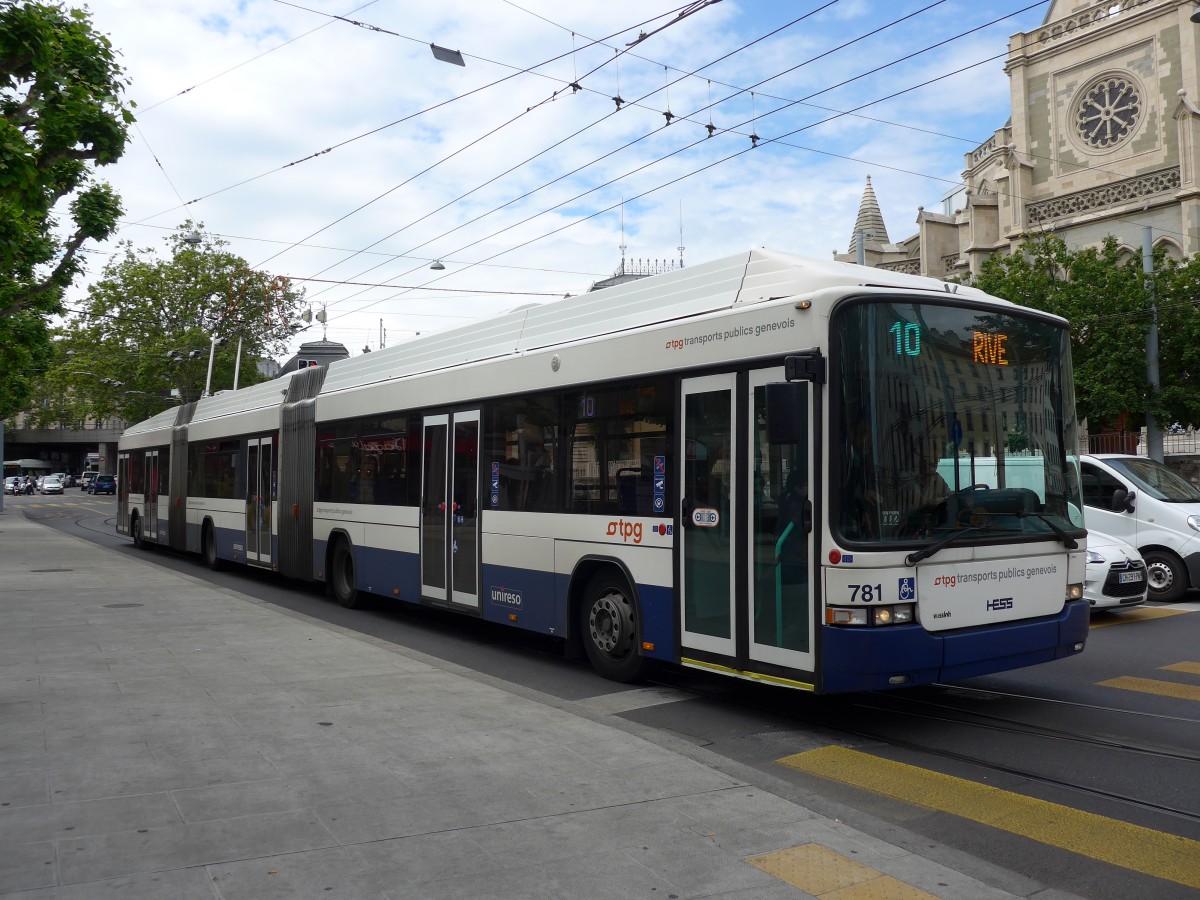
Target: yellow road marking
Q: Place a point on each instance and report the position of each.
(1139, 614)
(1132, 847)
(1154, 686)
(1192, 668)
(821, 872)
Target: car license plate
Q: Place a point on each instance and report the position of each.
(1128, 577)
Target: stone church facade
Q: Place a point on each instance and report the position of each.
(1104, 139)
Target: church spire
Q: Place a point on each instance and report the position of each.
(870, 219)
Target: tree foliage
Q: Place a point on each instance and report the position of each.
(144, 339)
(61, 115)
(1103, 293)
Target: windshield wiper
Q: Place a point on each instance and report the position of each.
(925, 552)
(1067, 541)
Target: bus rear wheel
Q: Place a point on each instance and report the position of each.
(208, 547)
(135, 532)
(342, 578)
(609, 628)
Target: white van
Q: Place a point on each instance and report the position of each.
(1150, 506)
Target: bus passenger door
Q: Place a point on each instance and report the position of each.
(150, 498)
(450, 509)
(260, 468)
(780, 536)
(464, 519)
(709, 534)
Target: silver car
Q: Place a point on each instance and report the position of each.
(51, 484)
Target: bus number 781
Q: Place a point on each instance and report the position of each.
(866, 593)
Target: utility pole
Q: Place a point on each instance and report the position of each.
(1154, 438)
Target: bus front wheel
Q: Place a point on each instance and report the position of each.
(342, 578)
(608, 625)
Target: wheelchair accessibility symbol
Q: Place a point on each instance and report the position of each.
(907, 588)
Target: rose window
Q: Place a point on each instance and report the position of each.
(1108, 112)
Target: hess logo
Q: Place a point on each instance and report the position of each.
(1000, 603)
(627, 531)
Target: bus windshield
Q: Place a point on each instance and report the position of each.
(947, 417)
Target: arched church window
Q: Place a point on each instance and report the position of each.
(1108, 110)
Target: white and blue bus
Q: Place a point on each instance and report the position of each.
(732, 467)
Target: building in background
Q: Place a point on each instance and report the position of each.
(1104, 139)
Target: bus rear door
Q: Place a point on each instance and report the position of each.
(450, 509)
(150, 498)
(260, 485)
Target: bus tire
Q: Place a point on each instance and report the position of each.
(608, 626)
(342, 577)
(1165, 576)
(208, 548)
(135, 532)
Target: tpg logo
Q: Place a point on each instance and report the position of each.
(1000, 603)
(628, 531)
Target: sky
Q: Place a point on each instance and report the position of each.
(324, 140)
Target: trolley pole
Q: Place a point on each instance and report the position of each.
(1154, 437)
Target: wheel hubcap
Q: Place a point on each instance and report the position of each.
(1159, 576)
(609, 622)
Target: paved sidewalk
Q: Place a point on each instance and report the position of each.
(163, 738)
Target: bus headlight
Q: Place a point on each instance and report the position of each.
(897, 614)
(1074, 591)
(846, 615)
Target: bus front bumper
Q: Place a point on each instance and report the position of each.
(871, 659)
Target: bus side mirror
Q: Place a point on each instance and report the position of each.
(787, 412)
(1122, 500)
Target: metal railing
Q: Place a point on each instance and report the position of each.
(1185, 442)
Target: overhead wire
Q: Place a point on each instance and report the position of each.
(610, 208)
(704, 139)
(687, 9)
(514, 74)
(246, 62)
(559, 143)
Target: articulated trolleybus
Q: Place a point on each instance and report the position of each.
(806, 473)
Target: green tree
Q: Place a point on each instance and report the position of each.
(144, 338)
(1177, 298)
(1105, 299)
(61, 115)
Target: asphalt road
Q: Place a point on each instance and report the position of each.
(1106, 744)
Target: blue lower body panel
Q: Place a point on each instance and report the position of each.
(864, 659)
(658, 621)
(529, 596)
